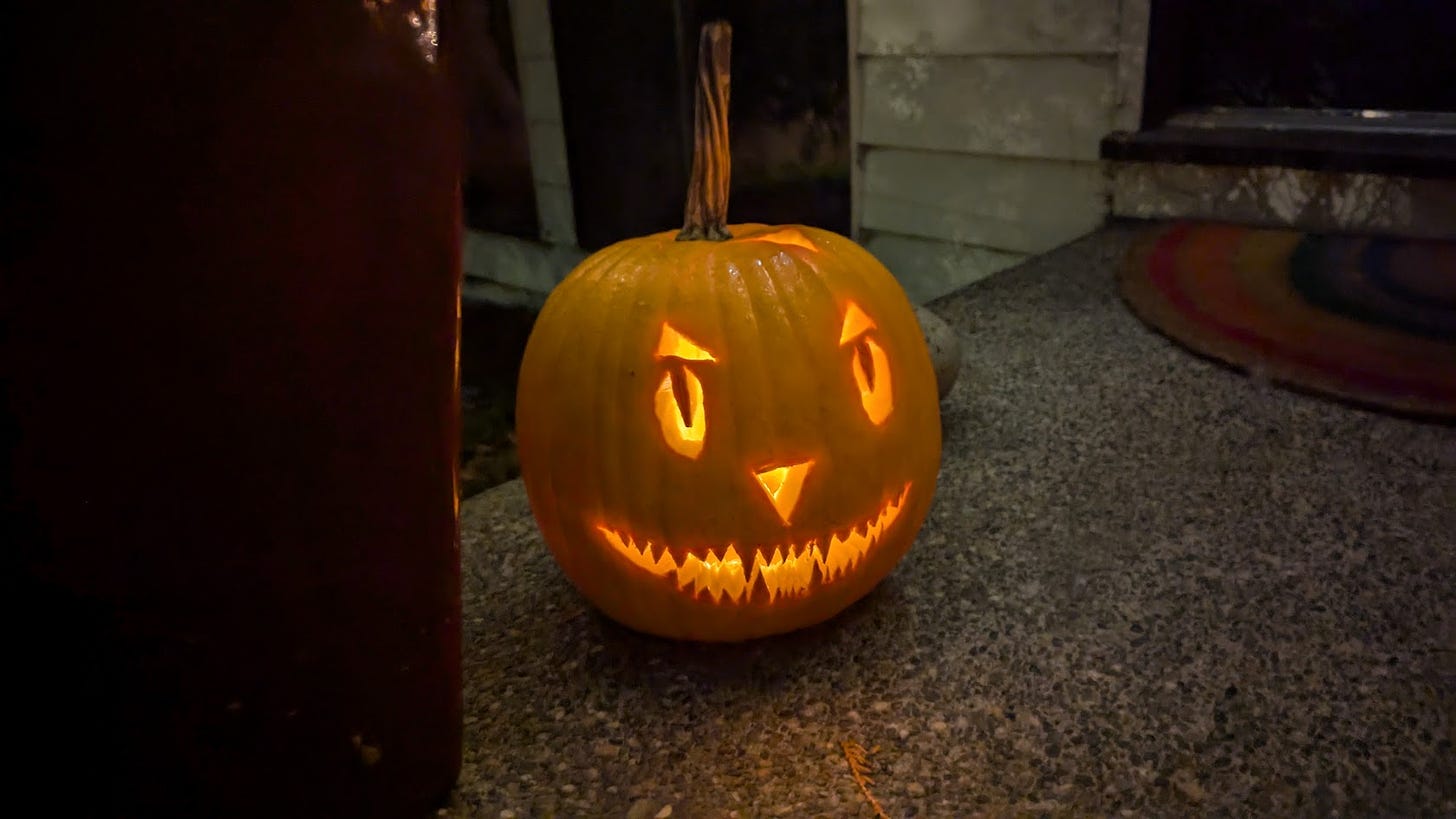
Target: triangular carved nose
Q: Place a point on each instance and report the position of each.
(783, 484)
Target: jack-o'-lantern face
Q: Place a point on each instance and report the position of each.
(722, 440)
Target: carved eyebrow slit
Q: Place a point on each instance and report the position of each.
(856, 324)
(673, 344)
(787, 236)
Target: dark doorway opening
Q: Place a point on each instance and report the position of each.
(1342, 85)
(626, 74)
(498, 194)
(1386, 55)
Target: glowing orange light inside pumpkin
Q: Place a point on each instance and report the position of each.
(856, 323)
(778, 570)
(673, 344)
(870, 365)
(787, 236)
(679, 398)
(783, 484)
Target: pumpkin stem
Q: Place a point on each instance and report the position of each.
(706, 213)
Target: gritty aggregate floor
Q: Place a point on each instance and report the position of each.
(1148, 586)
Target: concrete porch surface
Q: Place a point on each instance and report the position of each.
(1148, 586)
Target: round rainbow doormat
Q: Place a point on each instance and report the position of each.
(1364, 319)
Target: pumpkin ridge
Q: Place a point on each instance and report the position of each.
(812, 278)
(724, 293)
(621, 292)
(754, 326)
(544, 357)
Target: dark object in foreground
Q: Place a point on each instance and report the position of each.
(242, 236)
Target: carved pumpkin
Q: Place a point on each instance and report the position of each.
(728, 431)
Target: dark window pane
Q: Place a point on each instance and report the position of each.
(1352, 54)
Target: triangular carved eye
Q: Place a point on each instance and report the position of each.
(678, 401)
(869, 364)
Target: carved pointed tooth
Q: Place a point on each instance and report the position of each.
(612, 537)
(756, 578)
(781, 570)
(709, 573)
(788, 578)
(715, 581)
(768, 570)
(760, 559)
(816, 563)
(804, 572)
(735, 580)
(735, 586)
(834, 561)
(759, 586)
(690, 572)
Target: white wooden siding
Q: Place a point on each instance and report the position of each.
(979, 27)
(993, 201)
(978, 128)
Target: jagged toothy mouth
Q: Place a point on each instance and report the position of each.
(785, 569)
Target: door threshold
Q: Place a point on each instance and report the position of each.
(1392, 143)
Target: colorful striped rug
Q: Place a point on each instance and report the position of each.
(1364, 319)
